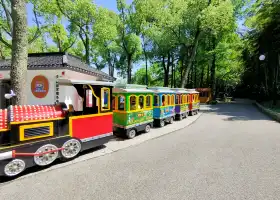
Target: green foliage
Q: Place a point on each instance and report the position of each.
(183, 35)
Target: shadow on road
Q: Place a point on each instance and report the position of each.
(236, 112)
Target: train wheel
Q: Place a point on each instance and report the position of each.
(14, 167)
(181, 117)
(162, 123)
(191, 113)
(46, 158)
(71, 149)
(171, 120)
(147, 128)
(131, 134)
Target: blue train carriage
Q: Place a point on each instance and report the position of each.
(182, 99)
(133, 109)
(164, 105)
(194, 102)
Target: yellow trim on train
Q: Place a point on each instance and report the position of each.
(3, 130)
(133, 111)
(90, 115)
(23, 127)
(38, 120)
(163, 106)
(97, 98)
(109, 99)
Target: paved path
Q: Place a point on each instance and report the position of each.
(231, 152)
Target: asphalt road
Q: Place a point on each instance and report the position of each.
(231, 153)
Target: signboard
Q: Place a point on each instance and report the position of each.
(40, 86)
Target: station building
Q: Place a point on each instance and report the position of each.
(43, 71)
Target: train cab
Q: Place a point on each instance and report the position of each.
(133, 109)
(182, 100)
(194, 103)
(164, 105)
(205, 95)
(39, 134)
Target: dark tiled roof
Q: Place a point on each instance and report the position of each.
(58, 61)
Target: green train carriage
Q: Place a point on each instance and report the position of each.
(133, 109)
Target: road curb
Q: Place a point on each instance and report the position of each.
(274, 115)
(114, 145)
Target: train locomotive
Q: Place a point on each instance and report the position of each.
(39, 134)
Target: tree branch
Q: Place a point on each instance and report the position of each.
(38, 31)
(5, 42)
(69, 46)
(8, 16)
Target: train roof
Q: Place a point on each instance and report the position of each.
(80, 82)
(192, 91)
(161, 90)
(131, 88)
(180, 90)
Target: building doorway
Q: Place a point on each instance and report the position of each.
(4, 88)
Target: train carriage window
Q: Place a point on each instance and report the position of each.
(132, 102)
(141, 102)
(163, 100)
(181, 99)
(177, 99)
(105, 99)
(156, 100)
(169, 100)
(121, 102)
(148, 101)
(188, 98)
(172, 99)
(89, 99)
(113, 102)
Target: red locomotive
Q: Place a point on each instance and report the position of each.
(38, 135)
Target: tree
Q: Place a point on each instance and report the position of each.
(6, 24)
(19, 50)
(129, 40)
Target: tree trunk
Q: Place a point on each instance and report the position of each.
(193, 53)
(213, 72)
(275, 89)
(129, 68)
(19, 51)
(172, 72)
(146, 63)
(111, 69)
(201, 84)
(87, 45)
(195, 74)
(165, 81)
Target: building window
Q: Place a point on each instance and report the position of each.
(141, 102)
(156, 100)
(148, 101)
(132, 102)
(121, 103)
(105, 99)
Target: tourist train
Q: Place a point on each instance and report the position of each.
(39, 134)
